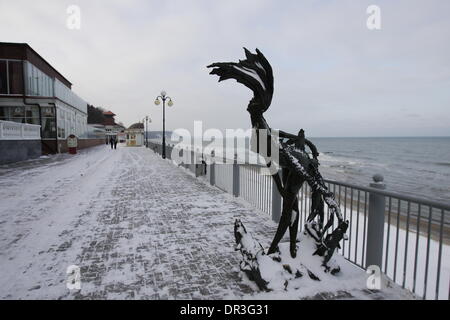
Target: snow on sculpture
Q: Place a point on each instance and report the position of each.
(297, 167)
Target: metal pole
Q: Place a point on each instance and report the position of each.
(212, 171)
(235, 177)
(192, 165)
(375, 224)
(164, 129)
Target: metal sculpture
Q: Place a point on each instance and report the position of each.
(297, 166)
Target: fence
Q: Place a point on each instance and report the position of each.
(19, 131)
(407, 237)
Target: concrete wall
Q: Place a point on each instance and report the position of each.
(19, 150)
(82, 143)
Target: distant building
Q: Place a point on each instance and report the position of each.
(111, 127)
(33, 92)
(96, 131)
(135, 135)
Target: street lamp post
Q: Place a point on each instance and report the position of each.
(143, 124)
(164, 97)
(147, 121)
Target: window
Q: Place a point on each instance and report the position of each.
(32, 120)
(48, 128)
(15, 70)
(32, 115)
(3, 78)
(38, 83)
(4, 114)
(17, 114)
(28, 114)
(48, 112)
(61, 133)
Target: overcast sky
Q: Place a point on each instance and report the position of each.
(333, 76)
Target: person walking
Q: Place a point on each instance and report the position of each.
(115, 142)
(111, 142)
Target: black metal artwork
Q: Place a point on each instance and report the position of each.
(297, 166)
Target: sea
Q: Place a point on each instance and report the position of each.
(417, 166)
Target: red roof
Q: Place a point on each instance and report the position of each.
(108, 113)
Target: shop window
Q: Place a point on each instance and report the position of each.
(32, 112)
(32, 120)
(48, 112)
(61, 133)
(17, 112)
(48, 128)
(32, 115)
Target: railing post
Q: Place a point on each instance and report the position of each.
(192, 166)
(276, 202)
(375, 224)
(212, 170)
(235, 177)
(181, 154)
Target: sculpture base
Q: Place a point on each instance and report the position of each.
(279, 271)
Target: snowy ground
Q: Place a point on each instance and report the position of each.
(136, 225)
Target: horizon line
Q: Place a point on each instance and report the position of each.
(330, 137)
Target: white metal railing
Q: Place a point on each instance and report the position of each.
(255, 187)
(224, 178)
(19, 131)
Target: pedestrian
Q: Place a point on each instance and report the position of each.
(115, 142)
(111, 142)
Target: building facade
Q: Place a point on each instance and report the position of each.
(111, 127)
(135, 135)
(33, 92)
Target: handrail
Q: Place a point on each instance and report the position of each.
(423, 201)
(393, 194)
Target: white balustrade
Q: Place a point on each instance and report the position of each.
(19, 131)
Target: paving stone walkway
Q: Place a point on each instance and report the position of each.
(136, 225)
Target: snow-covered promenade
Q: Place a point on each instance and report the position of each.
(136, 225)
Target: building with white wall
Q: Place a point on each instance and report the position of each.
(34, 92)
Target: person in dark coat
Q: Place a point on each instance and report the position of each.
(111, 141)
(115, 142)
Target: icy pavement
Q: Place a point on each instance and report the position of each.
(136, 225)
